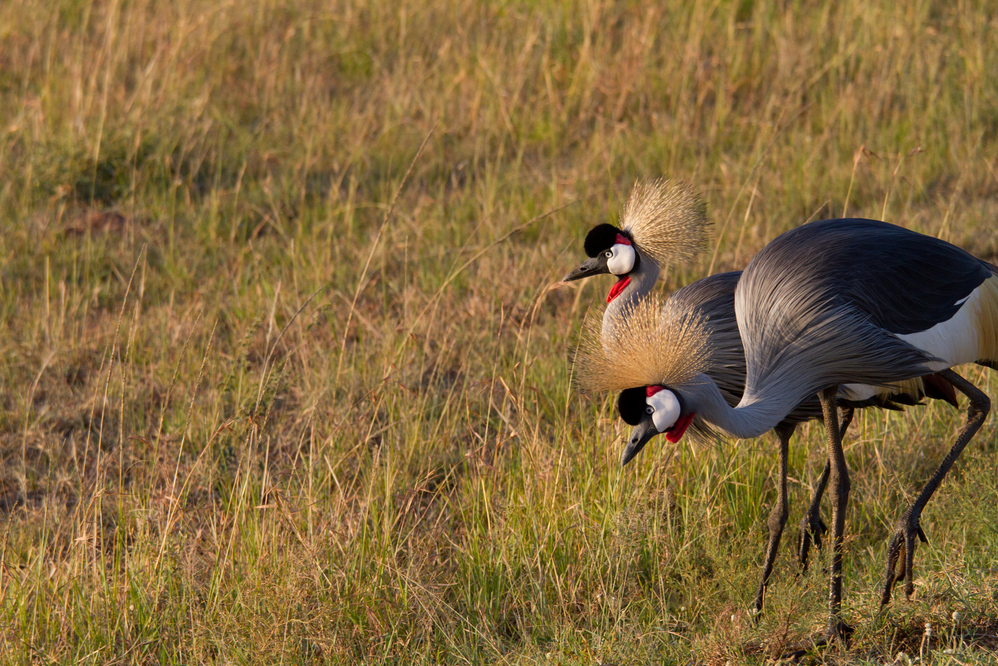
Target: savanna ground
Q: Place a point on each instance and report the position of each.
(284, 369)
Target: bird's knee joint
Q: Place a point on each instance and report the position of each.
(983, 404)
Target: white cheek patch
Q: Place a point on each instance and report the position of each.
(622, 261)
(666, 406)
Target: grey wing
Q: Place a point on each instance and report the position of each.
(905, 281)
(821, 304)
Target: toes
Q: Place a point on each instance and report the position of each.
(901, 557)
(909, 564)
(803, 548)
(896, 562)
(817, 534)
(838, 631)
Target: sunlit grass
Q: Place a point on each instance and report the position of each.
(256, 409)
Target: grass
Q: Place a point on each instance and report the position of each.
(284, 368)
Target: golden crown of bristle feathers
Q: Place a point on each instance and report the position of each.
(645, 344)
(667, 219)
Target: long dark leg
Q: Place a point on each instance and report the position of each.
(778, 516)
(901, 552)
(839, 487)
(812, 527)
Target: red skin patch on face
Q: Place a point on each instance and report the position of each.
(617, 288)
(652, 390)
(676, 432)
(622, 240)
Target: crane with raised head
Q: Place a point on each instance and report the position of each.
(827, 304)
(665, 223)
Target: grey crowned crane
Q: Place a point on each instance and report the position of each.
(665, 222)
(828, 303)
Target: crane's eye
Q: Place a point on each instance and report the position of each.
(649, 410)
(608, 254)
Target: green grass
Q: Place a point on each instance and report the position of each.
(279, 386)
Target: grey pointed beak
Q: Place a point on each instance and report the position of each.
(594, 266)
(641, 435)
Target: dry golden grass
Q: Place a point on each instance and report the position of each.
(266, 398)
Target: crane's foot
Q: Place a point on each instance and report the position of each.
(757, 604)
(901, 555)
(838, 632)
(811, 529)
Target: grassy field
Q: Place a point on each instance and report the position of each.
(283, 360)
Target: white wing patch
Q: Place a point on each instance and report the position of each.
(955, 340)
(857, 392)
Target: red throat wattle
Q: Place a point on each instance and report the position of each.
(617, 288)
(676, 432)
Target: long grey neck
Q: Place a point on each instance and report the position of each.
(643, 278)
(747, 420)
